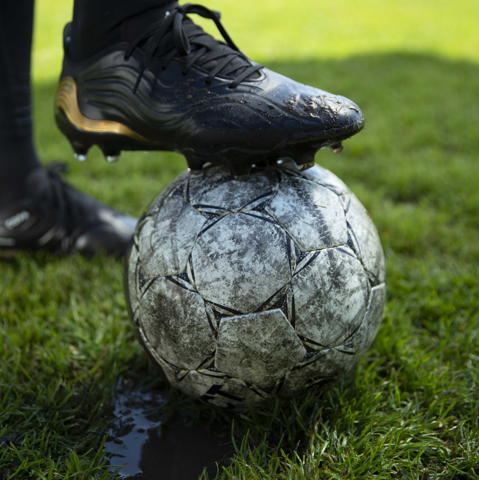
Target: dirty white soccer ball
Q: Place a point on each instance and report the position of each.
(243, 291)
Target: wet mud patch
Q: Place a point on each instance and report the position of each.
(148, 441)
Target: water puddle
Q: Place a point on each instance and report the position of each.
(152, 446)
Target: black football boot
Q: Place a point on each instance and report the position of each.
(170, 86)
(58, 218)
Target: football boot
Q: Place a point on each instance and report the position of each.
(58, 218)
(168, 85)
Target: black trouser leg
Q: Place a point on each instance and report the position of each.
(17, 153)
(96, 23)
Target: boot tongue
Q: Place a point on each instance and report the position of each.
(134, 26)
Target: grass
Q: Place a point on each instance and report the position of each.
(412, 410)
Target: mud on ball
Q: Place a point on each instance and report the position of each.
(243, 291)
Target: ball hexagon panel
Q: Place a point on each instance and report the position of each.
(310, 213)
(322, 176)
(330, 298)
(364, 237)
(232, 266)
(258, 348)
(222, 194)
(372, 320)
(167, 238)
(176, 324)
(213, 387)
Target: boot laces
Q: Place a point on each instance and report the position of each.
(194, 45)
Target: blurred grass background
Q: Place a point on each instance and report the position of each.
(279, 29)
(413, 67)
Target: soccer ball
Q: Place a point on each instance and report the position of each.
(244, 291)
